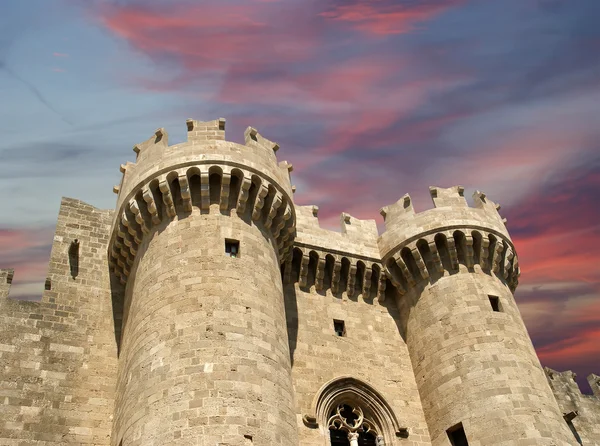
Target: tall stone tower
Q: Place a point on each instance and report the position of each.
(454, 269)
(197, 239)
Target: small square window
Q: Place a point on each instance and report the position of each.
(339, 327)
(457, 436)
(232, 248)
(495, 303)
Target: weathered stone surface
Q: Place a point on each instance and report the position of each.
(58, 356)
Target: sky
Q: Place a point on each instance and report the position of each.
(368, 100)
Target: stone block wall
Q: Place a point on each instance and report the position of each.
(372, 351)
(204, 359)
(58, 355)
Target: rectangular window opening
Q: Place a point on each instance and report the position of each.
(457, 436)
(339, 327)
(495, 303)
(232, 248)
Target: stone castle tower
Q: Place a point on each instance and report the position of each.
(209, 309)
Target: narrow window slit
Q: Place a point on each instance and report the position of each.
(495, 303)
(339, 327)
(232, 248)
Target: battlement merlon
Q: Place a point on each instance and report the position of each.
(475, 234)
(159, 139)
(202, 131)
(6, 277)
(594, 382)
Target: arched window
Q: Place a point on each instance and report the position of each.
(349, 412)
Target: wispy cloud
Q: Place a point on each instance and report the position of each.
(385, 17)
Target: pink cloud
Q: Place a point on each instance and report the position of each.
(211, 37)
(377, 17)
(572, 350)
(60, 54)
(552, 258)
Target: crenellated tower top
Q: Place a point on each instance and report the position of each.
(165, 181)
(414, 245)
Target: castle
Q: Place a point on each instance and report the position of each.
(209, 309)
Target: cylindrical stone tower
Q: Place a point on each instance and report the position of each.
(198, 236)
(479, 378)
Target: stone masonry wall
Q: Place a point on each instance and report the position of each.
(372, 351)
(58, 355)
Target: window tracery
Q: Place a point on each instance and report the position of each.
(358, 430)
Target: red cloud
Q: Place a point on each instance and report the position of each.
(573, 350)
(376, 17)
(556, 230)
(213, 36)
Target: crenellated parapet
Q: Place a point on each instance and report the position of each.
(345, 262)
(418, 246)
(356, 236)
(168, 181)
(564, 384)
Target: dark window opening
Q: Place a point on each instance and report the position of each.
(340, 437)
(232, 248)
(569, 419)
(495, 303)
(74, 258)
(457, 435)
(339, 327)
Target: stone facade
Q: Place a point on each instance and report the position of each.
(210, 309)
